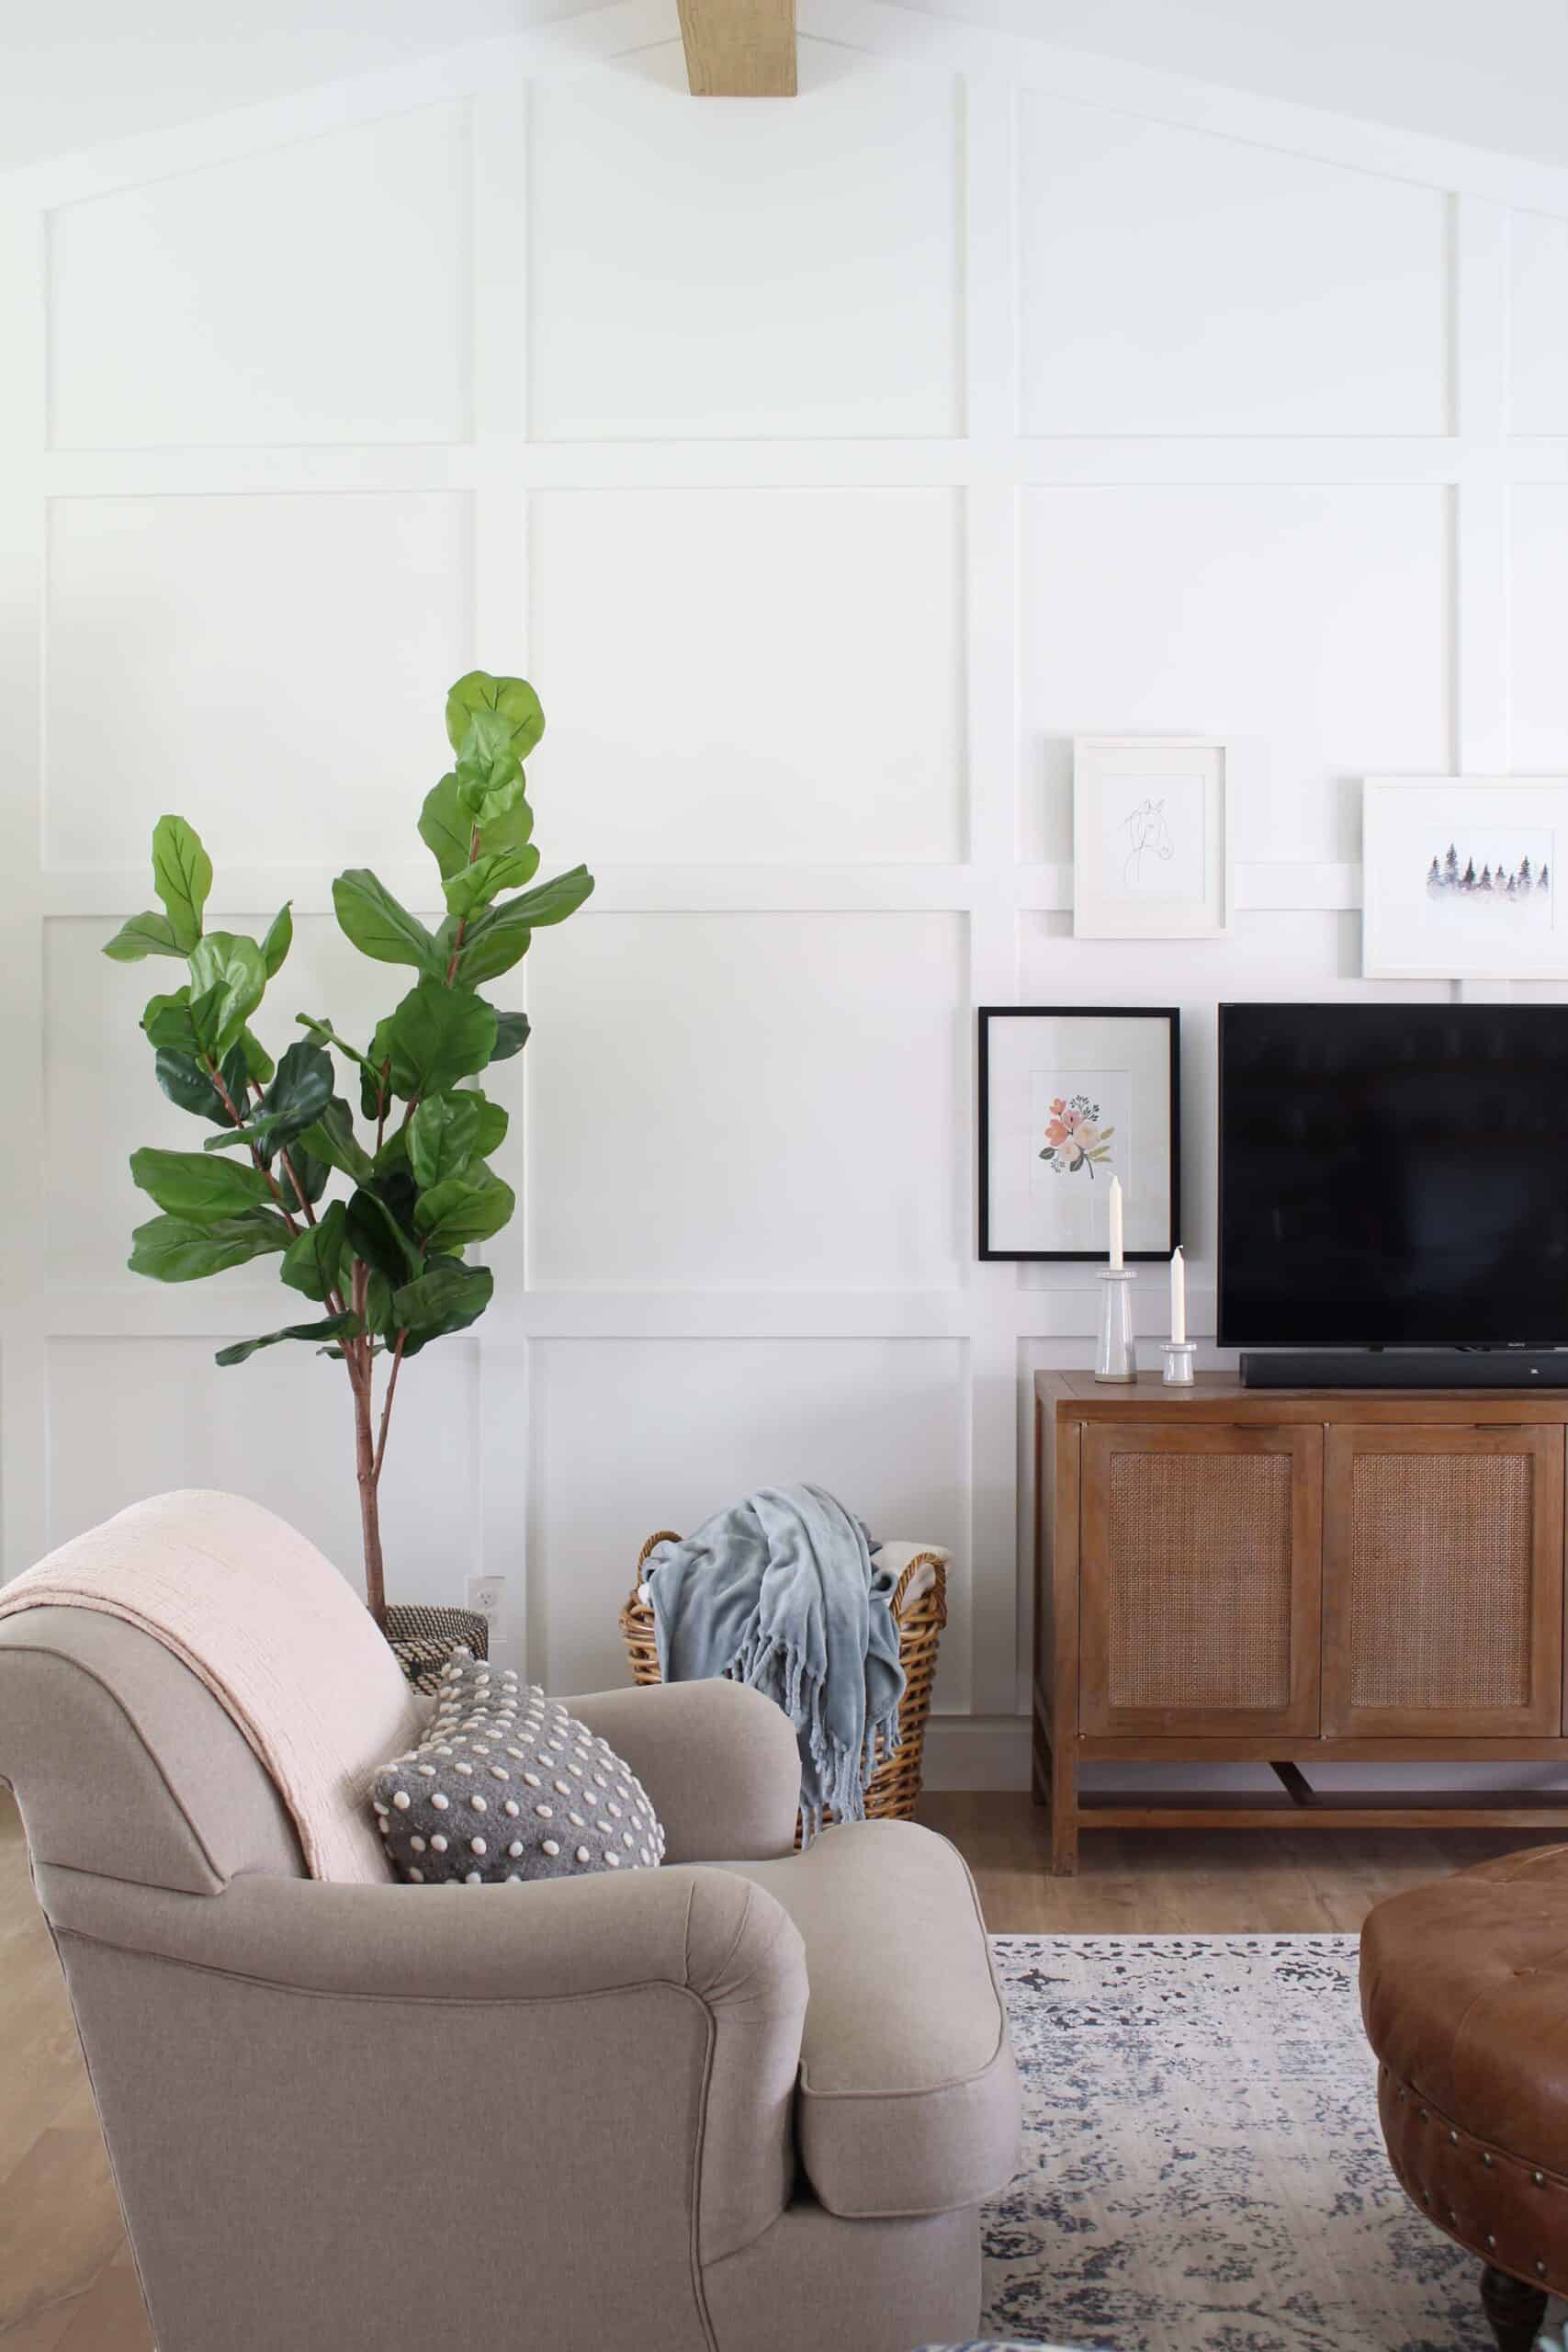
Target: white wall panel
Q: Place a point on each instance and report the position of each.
(1538, 305)
(1538, 614)
(1313, 622)
(1177, 283)
(723, 270)
(314, 293)
(135, 1416)
(800, 697)
(280, 661)
(632, 1435)
(766, 1100)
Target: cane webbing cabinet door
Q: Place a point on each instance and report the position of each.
(1200, 1578)
(1443, 1581)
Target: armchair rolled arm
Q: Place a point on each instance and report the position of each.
(720, 1761)
(669, 2000)
(546, 1940)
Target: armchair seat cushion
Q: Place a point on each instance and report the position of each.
(907, 2100)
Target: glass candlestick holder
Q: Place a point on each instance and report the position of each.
(1117, 1358)
(1178, 1356)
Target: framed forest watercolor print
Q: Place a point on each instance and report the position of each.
(1459, 877)
(1071, 1095)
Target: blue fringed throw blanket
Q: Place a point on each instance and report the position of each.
(779, 1593)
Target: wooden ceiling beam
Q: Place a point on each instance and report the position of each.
(739, 48)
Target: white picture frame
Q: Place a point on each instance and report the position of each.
(1433, 849)
(1151, 837)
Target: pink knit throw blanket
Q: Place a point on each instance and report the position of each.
(266, 1623)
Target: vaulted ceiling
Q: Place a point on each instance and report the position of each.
(75, 73)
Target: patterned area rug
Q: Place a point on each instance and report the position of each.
(1205, 2171)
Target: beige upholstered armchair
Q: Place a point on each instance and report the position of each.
(747, 2102)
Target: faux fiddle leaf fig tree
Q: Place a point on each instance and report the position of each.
(384, 1262)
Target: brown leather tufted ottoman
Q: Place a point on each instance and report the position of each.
(1464, 1991)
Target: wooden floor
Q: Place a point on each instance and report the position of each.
(66, 2280)
(1194, 1881)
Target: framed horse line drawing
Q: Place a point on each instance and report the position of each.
(1151, 849)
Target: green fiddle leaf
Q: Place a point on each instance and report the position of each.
(144, 935)
(396, 1188)
(314, 1176)
(464, 1209)
(229, 969)
(299, 1092)
(313, 1260)
(445, 828)
(392, 1158)
(510, 1035)
(173, 1249)
(376, 1073)
(186, 1082)
(499, 938)
(436, 1037)
(375, 1235)
(512, 699)
(369, 916)
(332, 1327)
(333, 1139)
(280, 939)
(326, 1034)
(494, 1122)
(182, 875)
(173, 1024)
(446, 1298)
(490, 773)
(442, 1137)
(377, 1315)
(492, 945)
(475, 886)
(259, 1064)
(553, 900)
(189, 1186)
(513, 828)
(492, 800)
(448, 830)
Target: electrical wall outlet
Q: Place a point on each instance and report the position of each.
(485, 1595)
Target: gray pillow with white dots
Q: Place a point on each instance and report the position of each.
(507, 1785)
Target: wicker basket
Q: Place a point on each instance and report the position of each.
(894, 1781)
(425, 1640)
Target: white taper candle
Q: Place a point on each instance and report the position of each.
(1116, 1224)
(1177, 1298)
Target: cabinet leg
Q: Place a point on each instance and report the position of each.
(1063, 1813)
(1514, 2308)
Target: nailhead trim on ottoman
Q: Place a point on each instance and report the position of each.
(1513, 2215)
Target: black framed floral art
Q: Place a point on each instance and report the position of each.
(1071, 1095)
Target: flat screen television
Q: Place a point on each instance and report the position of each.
(1393, 1175)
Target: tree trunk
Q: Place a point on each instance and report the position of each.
(369, 1502)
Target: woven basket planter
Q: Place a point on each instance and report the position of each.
(895, 1782)
(425, 1640)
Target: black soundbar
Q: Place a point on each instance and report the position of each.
(1406, 1368)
